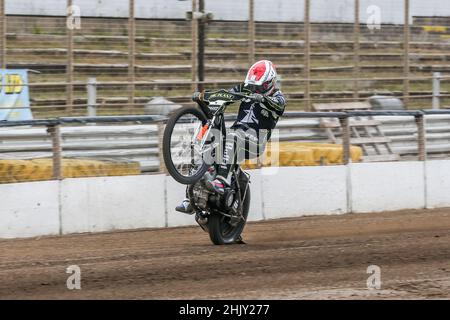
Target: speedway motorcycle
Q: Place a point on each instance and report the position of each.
(189, 146)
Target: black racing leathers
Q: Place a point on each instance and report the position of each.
(257, 115)
(252, 129)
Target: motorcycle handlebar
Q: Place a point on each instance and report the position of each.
(199, 96)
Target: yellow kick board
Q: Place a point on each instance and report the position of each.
(42, 169)
(303, 154)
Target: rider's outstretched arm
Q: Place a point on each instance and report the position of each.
(240, 88)
(275, 103)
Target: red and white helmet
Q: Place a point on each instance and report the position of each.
(261, 77)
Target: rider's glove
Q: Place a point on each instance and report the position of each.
(257, 97)
(196, 96)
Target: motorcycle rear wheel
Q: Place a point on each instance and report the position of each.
(219, 227)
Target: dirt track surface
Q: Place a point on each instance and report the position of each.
(321, 257)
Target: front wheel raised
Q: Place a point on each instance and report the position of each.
(182, 150)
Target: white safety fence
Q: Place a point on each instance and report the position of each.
(112, 203)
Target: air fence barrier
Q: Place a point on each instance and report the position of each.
(95, 204)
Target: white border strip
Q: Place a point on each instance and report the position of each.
(148, 201)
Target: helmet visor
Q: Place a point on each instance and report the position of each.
(263, 88)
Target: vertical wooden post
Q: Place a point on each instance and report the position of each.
(55, 132)
(406, 54)
(251, 32)
(92, 97)
(345, 140)
(421, 137)
(131, 54)
(69, 65)
(307, 51)
(201, 45)
(194, 35)
(2, 35)
(435, 103)
(162, 166)
(356, 48)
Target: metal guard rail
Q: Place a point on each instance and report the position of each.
(159, 118)
(53, 127)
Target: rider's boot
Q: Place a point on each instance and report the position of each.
(209, 175)
(217, 185)
(185, 207)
